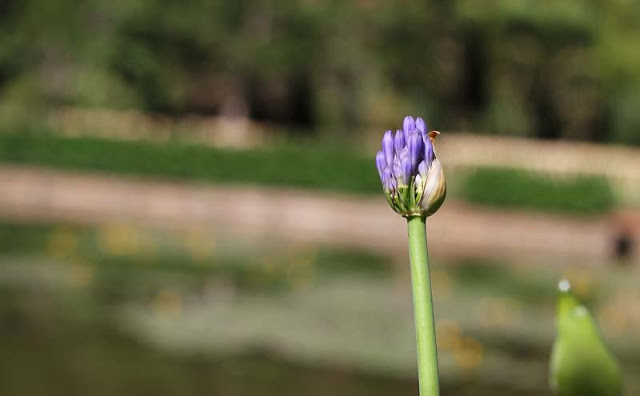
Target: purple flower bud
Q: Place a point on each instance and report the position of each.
(428, 150)
(392, 185)
(415, 150)
(423, 169)
(408, 124)
(402, 155)
(399, 140)
(387, 147)
(386, 177)
(408, 156)
(407, 169)
(397, 169)
(421, 125)
(380, 164)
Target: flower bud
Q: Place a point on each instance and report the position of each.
(415, 146)
(399, 140)
(410, 172)
(381, 163)
(435, 189)
(421, 125)
(408, 125)
(387, 147)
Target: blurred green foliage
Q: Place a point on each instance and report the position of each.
(319, 166)
(478, 273)
(553, 69)
(130, 262)
(300, 165)
(505, 187)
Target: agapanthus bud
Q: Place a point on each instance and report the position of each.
(399, 140)
(381, 163)
(407, 169)
(423, 169)
(428, 149)
(411, 174)
(408, 125)
(387, 178)
(415, 150)
(421, 125)
(387, 147)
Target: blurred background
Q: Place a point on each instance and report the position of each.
(189, 203)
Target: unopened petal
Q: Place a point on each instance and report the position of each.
(408, 125)
(387, 147)
(435, 189)
(399, 140)
(380, 163)
(421, 125)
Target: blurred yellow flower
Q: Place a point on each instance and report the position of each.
(119, 239)
(62, 242)
(167, 304)
(469, 354)
(200, 245)
(448, 334)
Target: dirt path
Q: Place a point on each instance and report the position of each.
(31, 193)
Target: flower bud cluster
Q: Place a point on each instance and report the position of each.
(410, 172)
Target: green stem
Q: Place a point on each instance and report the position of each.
(423, 308)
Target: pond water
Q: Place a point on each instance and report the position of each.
(83, 314)
(48, 352)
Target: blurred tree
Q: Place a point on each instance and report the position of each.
(556, 70)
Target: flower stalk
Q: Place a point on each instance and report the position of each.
(423, 308)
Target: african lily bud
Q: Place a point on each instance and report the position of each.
(399, 140)
(411, 174)
(408, 125)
